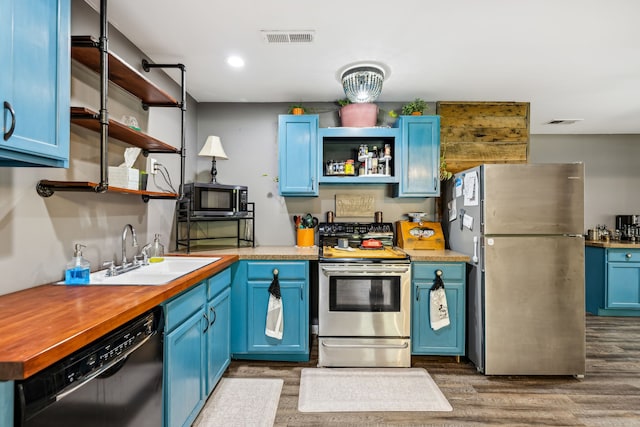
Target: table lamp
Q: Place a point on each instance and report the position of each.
(213, 148)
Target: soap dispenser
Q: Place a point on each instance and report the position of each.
(155, 251)
(78, 269)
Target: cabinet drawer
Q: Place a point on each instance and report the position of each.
(427, 270)
(218, 282)
(287, 270)
(184, 305)
(623, 255)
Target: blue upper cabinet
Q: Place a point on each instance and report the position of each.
(298, 155)
(34, 82)
(420, 156)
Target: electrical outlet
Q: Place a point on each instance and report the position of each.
(152, 166)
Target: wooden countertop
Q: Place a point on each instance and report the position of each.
(41, 325)
(610, 244)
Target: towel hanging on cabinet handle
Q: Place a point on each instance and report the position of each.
(438, 310)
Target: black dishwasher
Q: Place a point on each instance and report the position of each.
(113, 381)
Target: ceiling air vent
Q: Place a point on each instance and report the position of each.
(284, 37)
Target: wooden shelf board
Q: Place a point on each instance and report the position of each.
(86, 118)
(91, 186)
(84, 51)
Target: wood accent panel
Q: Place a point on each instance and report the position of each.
(41, 325)
(472, 133)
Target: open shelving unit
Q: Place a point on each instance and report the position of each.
(93, 54)
(193, 231)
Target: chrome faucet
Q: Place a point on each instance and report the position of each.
(134, 242)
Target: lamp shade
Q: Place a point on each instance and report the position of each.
(213, 148)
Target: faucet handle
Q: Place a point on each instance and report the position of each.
(141, 259)
(111, 268)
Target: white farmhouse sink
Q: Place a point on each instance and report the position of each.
(158, 273)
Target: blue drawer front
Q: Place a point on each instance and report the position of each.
(427, 271)
(623, 255)
(218, 283)
(286, 270)
(184, 305)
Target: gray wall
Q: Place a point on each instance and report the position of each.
(38, 234)
(612, 175)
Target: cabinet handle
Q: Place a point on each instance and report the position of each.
(417, 294)
(206, 319)
(275, 272)
(628, 255)
(8, 134)
(215, 315)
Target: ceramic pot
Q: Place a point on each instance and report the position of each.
(359, 115)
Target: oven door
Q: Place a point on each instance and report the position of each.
(364, 300)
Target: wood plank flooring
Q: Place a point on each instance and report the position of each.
(608, 395)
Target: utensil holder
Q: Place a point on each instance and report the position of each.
(305, 237)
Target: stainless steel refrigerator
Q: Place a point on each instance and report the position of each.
(522, 226)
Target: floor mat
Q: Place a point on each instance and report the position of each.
(369, 390)
(241, 402)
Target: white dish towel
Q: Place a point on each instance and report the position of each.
(274, 326)
(438, 310)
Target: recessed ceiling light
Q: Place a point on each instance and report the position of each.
(564, 121)
(235, 61)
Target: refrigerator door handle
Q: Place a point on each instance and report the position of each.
(474, 258)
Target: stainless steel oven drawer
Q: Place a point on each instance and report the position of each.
(364, 352)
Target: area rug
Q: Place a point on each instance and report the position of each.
(241, 402)
(369, 390)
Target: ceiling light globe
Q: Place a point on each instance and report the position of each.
(362, 83)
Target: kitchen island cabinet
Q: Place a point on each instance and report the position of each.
(35, 82)
(449, 340)
(612, 279)
(250, 298)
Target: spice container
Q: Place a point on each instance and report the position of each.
(349, 168)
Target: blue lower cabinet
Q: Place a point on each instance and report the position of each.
(612, 281)
(448, 340)
(250, 300)
(196, 347)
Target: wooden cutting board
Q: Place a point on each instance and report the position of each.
(332, 252)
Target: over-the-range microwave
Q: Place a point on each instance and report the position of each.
(216, 199)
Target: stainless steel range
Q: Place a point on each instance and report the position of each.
(364, 297)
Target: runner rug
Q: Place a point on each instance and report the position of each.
(241, 402)
(369, 390)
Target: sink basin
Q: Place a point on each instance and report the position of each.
(158, 273)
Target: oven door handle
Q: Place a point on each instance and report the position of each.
(354, 269)
(403, 345)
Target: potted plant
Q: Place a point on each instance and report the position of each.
(414, 108)
(354, 114)
(296, 109)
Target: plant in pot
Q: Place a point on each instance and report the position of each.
(414, 108)
(296, 109)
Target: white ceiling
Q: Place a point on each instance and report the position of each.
(571, 59)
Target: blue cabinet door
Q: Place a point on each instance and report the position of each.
(295, 314)
(35, 82)
(449, 340)
(184, 366)
(623, 285)
(218, 338)
(298, 155)
(420, 156)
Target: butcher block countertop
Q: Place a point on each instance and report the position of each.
(43, 324)
(611, 244)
